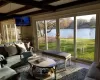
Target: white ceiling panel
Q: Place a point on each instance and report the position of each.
(60, 2)
(29, 10)
(10, 7)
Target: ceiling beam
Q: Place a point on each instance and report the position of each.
(2, 3)
(19, 10)
(77, 2)
(6, 17)
(3, 14)
(30, 7)
(36, 12)
(34, 4)
(67, 5)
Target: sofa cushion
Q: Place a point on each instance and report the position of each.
(3, 51)
(94, 72)
(11, 49)
(13, 60)
(6, 72)
(21, 47)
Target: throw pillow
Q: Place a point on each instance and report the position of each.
(27, 45)
(11, 49)
(21, 47)
(3, 51)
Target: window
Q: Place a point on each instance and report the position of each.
(86, 36)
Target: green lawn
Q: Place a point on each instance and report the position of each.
(85, 47)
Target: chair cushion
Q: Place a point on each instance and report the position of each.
(11, 49)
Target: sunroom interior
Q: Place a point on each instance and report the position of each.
(71, 26)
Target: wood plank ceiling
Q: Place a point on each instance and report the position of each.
(12, 8)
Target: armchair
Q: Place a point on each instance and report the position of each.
(25, 56)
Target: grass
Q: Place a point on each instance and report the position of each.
(85, 47)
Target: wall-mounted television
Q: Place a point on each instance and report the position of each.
(22, 21)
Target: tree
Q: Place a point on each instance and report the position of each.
(41, 28)
(65, 22)
(51, 24)
(81, 22)
(93, 21)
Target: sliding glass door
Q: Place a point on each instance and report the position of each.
(46, 32)
(41, 34)
(67, 34)
(76, 35)
(51, 34)
(86, 36)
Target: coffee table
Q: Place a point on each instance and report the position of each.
(41, 62)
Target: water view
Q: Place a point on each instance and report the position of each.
(85, 33)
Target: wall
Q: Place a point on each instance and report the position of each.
(26, 31)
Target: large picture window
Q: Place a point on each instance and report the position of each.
(76, 35)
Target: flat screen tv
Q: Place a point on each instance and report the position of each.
(22, 21)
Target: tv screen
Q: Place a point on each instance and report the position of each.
(22, 21)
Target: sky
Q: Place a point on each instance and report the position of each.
(87, 17)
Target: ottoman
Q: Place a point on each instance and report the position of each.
(60, 55)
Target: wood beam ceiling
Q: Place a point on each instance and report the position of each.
(77, 2)
(30, 7)
(44, 5)
(29, 4)
(67, 5)
(33, 4)
(2, 3)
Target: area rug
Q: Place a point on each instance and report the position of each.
(72, 72)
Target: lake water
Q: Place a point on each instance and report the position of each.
(85, 33)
